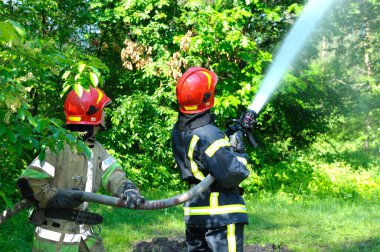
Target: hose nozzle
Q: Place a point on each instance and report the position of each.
(248, 119)
(245, 124)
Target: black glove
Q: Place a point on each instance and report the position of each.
(248, 119)
(236, 141)
(131, 195)
(65, 199)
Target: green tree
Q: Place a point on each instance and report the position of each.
(137, 50)
(33, 81)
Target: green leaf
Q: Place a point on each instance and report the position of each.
(64, 90)
(32, 121)
(11, 30)
(21, 114)
(11, 136)
(6, 33)
(83, 147)
(60, 146)
(101, 80)
(19, 148)
(19, 29)
(7, 202)
(81, 67)
(94, 78)
(78, 89)
(77, 76)
(42, 154)
(2, 129)
(66, 74)
(85, 84)
(56, 122)
(41, 126)
(70, 137)
(35, 143)
(95, 70)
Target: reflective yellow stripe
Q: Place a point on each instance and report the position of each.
(45, 166)
(231, 238)
(208, 78)
(195, 107)
(243, 160)
(34, 174)
(56, 236)
(217, 145)
(90, 176)
(194, 167)
(226, 209)
(214, 199)
(100, 95)
(74, 118)
(106, 175)
(107, 163)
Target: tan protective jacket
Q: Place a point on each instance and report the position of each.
(67, 170)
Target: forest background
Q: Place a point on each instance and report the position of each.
(319, 136)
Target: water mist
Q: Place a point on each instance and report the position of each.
(292, 45)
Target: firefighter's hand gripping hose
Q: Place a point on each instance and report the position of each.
(118, 202)
(244, 124)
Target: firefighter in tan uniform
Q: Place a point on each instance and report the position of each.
(62, 220)
(215, 219)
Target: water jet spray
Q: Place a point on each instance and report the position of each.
(294, 41)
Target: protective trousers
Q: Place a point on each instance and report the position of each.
(92, 244)
(227, 238)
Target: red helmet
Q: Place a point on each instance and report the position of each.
(195, 90)
(86, 109)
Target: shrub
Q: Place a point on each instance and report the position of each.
(340, 180)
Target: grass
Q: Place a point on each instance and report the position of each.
(315, 224)
(309, 224)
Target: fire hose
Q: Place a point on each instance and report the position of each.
(118, 202)
(232, 126)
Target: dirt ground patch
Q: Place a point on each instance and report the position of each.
(164, 244)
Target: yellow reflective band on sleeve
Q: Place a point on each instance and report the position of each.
(231, 238)
(106, 175)
(217, 145)
(214, 199)
(107, 163)
(242, 160)
(226, 209)
(194, 166)
(34, 174)
(45, 166)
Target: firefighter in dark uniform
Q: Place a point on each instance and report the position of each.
(61, 219)
(215, 219)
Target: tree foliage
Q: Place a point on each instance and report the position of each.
(137, 50)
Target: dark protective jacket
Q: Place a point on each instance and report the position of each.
(200, 148)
